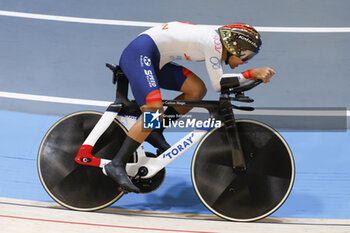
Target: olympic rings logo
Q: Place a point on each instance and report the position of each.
(215, 61)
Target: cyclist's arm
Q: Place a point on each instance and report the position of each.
(215, 73)
(212, 56)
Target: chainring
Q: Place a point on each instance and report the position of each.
(150, 184)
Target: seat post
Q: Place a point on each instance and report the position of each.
(122, 87)
(122, 82)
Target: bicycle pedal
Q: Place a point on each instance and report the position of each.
(149, 185)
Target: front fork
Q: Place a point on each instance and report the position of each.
(231, 130)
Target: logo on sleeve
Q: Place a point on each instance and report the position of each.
(217, 44)
(215, 63)
(144, 60)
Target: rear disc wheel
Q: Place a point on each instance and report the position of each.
(76, 186)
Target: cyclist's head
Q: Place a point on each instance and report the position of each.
(240, 40)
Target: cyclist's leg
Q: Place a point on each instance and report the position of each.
(137, 132)
(178, 78)
(192, 89)
(138, 62)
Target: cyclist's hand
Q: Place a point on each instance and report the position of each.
(263, 73)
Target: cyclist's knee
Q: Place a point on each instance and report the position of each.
(194, 88)
(200, 90)
(153, 107)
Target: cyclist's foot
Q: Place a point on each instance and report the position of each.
(118, 174)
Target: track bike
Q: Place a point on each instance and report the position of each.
(241, 171)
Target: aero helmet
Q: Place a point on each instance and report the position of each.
(240, 40)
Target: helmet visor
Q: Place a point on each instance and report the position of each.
(246, 55)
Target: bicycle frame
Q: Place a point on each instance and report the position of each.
(153, 165)
(125, 111)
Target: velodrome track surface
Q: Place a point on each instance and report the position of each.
(31, 217)
(44, 57)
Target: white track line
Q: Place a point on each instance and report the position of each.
(25, 216)
(151, 24)
(269, 112)
(53, 99)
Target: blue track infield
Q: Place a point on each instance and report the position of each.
(321, 188)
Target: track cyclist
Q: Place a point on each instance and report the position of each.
(148, 64)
